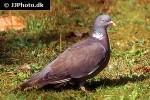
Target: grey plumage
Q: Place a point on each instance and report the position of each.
(79, 62)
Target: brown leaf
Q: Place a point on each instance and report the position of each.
(105, 1)
(101, 1)
(82, 35)
(142, 69)
(73, 34)
(69, 34)
(11, 22)
(143, 1)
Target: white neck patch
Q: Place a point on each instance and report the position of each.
(98, 33)
(98, 36)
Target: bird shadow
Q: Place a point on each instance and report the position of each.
(115, 82)
(92, 85)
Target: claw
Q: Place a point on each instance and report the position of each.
(82, 87)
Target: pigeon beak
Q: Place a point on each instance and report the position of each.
(111, 23)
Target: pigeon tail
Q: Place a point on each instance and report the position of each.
(29, 83)
(21, 87)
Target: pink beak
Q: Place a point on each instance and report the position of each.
(111, 23)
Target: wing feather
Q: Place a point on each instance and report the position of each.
(79, 60)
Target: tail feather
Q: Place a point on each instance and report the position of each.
(43, 78)
(29, 83)
(21, 87)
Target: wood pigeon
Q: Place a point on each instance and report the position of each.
(81, 61)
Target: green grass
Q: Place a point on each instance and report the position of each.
(126, 78)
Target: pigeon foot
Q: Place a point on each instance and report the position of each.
(82, 87)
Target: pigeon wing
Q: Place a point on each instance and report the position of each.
(77, 61)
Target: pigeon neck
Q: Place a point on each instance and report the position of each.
(99, 33)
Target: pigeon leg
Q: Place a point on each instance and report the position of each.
(82, 87)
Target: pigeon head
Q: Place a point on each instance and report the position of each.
(100, 26)
(103, 21)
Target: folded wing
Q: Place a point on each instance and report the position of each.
(78, 61)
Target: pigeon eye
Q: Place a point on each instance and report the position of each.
(102, 20)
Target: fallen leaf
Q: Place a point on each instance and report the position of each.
(73, 34)
(11, 22)
(105, 1)
(143, 1)
(82, 35)
(142, 69)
